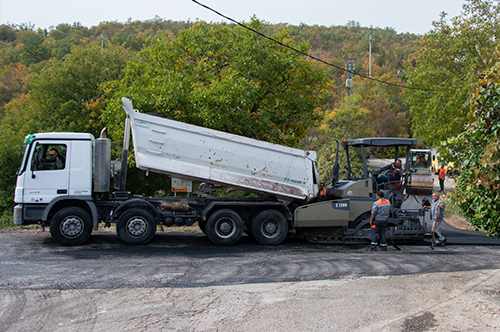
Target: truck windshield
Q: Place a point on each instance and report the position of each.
(420, 160)
(22, 168)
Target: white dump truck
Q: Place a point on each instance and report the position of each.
(68, 181)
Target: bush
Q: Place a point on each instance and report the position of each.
(477, 149)
(6, 220)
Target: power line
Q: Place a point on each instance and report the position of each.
(303, 53)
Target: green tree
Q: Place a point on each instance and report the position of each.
(388, 114)
(446, 63)
(68, 92)
(20, 118)
(226, 78)
(10, 83)
(7, 33)
(477, 149)
(65, 36)
(349, 120)
(34, 49)
(64, 96)
(372, 110)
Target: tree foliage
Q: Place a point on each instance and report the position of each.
(65, 96)
(477, 148)
(225, 78)
(10, 82)
(215, 75)
(20, 118)
(373, 110)
(68, 92)
(348, 121)
(34, 49)
(446, 63)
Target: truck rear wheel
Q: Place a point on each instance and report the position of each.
(202, 224)
(71, 226)
(224, 227)
(269, 227)
(136, 226)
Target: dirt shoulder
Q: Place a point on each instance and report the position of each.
(457, 221)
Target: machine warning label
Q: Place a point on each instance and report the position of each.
(341, 205)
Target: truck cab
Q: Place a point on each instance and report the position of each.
(56, 169)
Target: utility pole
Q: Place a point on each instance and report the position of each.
(102, 43)
(350, 67)
(370, 59)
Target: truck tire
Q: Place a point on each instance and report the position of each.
(136, 226)
(269, 227)
(202, 224)
(224, 227)
(71, 226)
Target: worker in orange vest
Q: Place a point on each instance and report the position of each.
(441, 176)
(379, 219)
(322, 191)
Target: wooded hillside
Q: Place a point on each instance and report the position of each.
(70, 77)
(24, 49)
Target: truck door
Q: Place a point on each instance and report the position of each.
(47, 172)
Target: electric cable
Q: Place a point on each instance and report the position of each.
(306, 54)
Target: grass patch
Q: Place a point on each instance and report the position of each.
(6, 220)
(451, 207)
(453, 215)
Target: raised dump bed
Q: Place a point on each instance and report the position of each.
(196, 153)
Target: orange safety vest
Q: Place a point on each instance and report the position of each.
(442, 173)
(383, 201)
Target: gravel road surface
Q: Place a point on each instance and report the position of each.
(181, 282)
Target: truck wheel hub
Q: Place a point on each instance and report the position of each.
(72, 227)
(225, 228)
(270, 228)
(136, 226)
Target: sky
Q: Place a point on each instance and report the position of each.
(414, 16)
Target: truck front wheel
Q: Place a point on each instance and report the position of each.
(71, 226)
(136, 226)
(224, 227)
(269, 227)
(203, 226)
